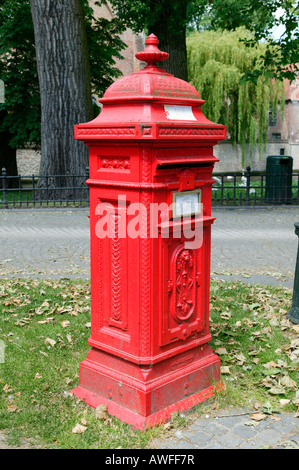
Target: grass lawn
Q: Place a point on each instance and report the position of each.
(44, 326)
(24, 198)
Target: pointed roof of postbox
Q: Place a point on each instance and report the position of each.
(151, 104)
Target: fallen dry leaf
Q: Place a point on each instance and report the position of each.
(44, 353)
(278, 390)
(221, 351)
(11, 408)
(288, 382)
(270, 364)
(50, 341)
(275, 418)
(168, 426)
(257, 406)
(101, 412)
(251, 423)
(258, 416)
(225, 315)
(240, 358)
(37, 376)
(295, 400)
(225, 370)
(69, 338)
(79, 429)
(284, 402)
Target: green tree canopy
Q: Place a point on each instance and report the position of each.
(261, 18)
(19, 72)
(171, 19)
(216, 62)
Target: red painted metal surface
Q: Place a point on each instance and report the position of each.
(149, 336)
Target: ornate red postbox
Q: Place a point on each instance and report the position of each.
(151, 162)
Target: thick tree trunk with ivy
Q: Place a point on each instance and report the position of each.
(63, 71)
(169, 25)
(167, 19)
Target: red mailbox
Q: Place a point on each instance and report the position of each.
(151, 162)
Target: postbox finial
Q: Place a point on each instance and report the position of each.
(152, 53)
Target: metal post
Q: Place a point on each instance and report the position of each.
(4, 188)
(293, 314)
(33, 190)
(247, 174)
(87, 177)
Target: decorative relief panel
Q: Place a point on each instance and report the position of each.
(118, 163)
(182, 309)
(184, 303)
(116, 314)
(118, 277)
(190, 131)
(105, 131)
(113, 282)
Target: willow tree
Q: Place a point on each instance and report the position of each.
(217, 63)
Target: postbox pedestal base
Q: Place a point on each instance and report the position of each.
(144, 397)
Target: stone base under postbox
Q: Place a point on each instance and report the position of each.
(147, 396)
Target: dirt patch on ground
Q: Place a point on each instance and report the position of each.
(4, 444)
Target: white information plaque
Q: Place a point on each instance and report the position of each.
(186, 203)
(179, 113)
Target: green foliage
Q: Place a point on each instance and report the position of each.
(281, 57)
(260, 17)
(104, 46)
(18, 67)
(142, 15)
(216, 63)
(231, 14)
(18, 72)
(257, 16)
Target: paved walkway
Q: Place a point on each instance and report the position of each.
(251, 245)
(233, 429)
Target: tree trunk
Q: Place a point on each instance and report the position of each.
(169, 25)
(63, 72)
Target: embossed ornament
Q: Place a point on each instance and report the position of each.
(184, 285)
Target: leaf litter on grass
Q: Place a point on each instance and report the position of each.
(45, 325)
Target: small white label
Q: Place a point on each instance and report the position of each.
(179, 113)
(187, 203)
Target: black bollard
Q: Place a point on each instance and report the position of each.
(293, 314)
